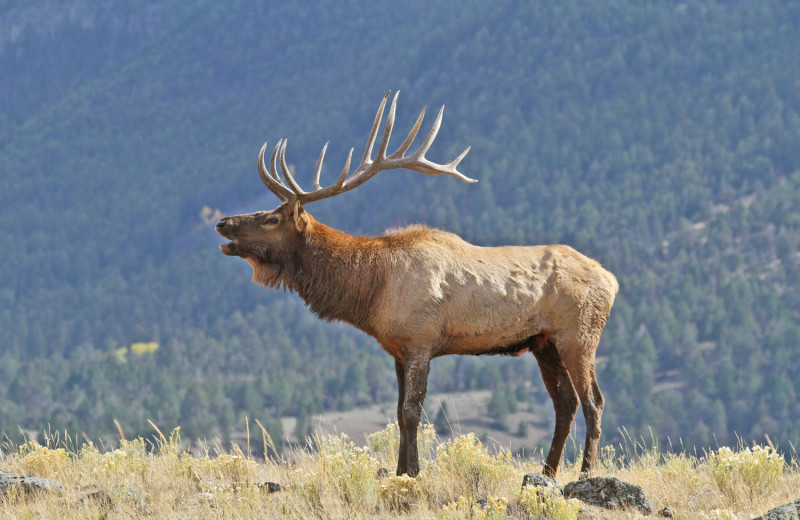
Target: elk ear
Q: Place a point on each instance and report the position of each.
(300, 218)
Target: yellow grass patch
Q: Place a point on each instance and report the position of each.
(335, 477)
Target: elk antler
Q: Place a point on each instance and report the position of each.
(368, 167)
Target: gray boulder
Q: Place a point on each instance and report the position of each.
(609, 493)
(539, 480)
(790, 511)
(99, 497)
(549, 486)
(27, 485)
(269, 487)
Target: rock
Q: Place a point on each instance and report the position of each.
(790, 511)
(491, 509)
(539, 480)
(549, 485)
(609, 493)
(28, 485)
(269, 487)
(667, 513)
(101, 498)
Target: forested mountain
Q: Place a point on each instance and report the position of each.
(661, 139)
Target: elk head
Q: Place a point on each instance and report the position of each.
(267, 240)
(265, 237)
(254, 235)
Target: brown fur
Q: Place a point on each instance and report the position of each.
(424, 293)
(337, 275)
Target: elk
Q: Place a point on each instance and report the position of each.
(424, 293)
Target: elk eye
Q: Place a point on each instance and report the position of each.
(271, 220)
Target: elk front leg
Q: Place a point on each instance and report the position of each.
(413, 387)
(402, 462)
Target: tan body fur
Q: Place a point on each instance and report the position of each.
(458, 298)
(424, 293)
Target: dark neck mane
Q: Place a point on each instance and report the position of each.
(339, 276)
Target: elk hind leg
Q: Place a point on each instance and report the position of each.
(582, 373)
(590, 454)
(565, 400)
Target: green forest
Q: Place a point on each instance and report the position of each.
(662, 139)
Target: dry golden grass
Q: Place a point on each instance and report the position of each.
(339, 479)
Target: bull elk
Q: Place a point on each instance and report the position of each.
(424, 293)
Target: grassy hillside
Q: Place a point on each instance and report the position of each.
(661, 140)
(337, 478)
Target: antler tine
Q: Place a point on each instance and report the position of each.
(427, 167)
(374, 132)
(276, 187)
(345, 170)
(426, 144)
(410, 138)
(273, 170)
(454, 163)
(286, 174)
(262, 169)
(318, 169)
(330, 191)
(387, 132)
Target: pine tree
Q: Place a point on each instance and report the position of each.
(442, 420)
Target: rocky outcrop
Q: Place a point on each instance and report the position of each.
(790, 511)
(609, 493)
(11, 483)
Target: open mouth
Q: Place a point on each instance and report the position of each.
(231, 248)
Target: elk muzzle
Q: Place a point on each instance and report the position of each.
(227, 228)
